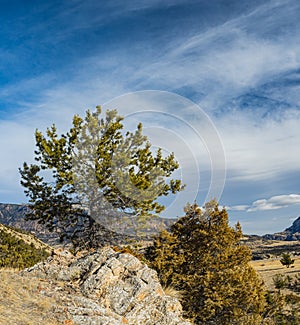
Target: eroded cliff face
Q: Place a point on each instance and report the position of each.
(14, 215)
(107, 287)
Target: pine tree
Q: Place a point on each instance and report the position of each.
(202, 256)
(96, 172)
(286, 260)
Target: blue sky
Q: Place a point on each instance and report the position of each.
(238, 60)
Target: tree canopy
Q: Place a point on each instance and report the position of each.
(96, 170)
(202, 257)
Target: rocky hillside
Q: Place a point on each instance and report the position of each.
(295, 227)
(26, 237)
(19, 249)
(13, 215)
(290, 233)
(103, 287)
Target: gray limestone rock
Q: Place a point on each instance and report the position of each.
(108, 287)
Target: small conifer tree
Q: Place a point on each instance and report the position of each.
(202, 256)
(286, 260)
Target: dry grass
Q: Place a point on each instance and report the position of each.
(21, 300)
(270, 267)
(172, 292)
(276, 243)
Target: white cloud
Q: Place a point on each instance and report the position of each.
(227, 60)
(272, 203)
(237, 207)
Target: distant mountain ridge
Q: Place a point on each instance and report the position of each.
(13, 215)
(295, 227)
(290, 233)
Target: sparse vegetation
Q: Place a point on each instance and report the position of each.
(283, 299)
(21, 301)
(129, 250)
(281, 281)
(172, 292)
(16, 252)
(282, 308)
(287, 282)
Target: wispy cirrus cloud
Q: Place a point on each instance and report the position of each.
(232, 58)
(217, 63)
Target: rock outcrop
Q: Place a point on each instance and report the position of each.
(107, 287)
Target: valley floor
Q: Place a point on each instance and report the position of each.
(268, 268)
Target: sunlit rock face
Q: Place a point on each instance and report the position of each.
(108, 287)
